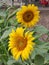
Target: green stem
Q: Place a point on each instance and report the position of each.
(30, 62)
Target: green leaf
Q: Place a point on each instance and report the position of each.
(44, 45)
(41, 29)
(2, 13)
(13, 22)
(6, 33)
(10, 62)
(0, 29)
(39, 60)
(46, 64)
(38, 51)
(1, 21)
(46, 57)
(33, 54)
(40, 48)
(12, 14)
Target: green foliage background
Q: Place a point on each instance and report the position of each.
(40, 55)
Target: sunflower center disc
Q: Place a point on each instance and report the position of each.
(28, 16)
(21, 43)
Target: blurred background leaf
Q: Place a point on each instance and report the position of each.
(39, 60)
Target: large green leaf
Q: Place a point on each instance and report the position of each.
(40, 48)
(40, 30)
(38, 51)
(39, 60)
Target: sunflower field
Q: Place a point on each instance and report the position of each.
(20, 37)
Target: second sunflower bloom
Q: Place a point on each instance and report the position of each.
(28, 15)
(21, 44)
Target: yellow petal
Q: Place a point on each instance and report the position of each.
(20, 31)
(18, 55)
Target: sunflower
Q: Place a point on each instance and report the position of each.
(28, 15)
(21, 43)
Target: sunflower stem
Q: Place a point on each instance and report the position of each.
(30, 61)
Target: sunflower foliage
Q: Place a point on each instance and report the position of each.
(13, 25)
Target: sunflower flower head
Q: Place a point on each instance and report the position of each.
(21, 43)
(28, 15)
